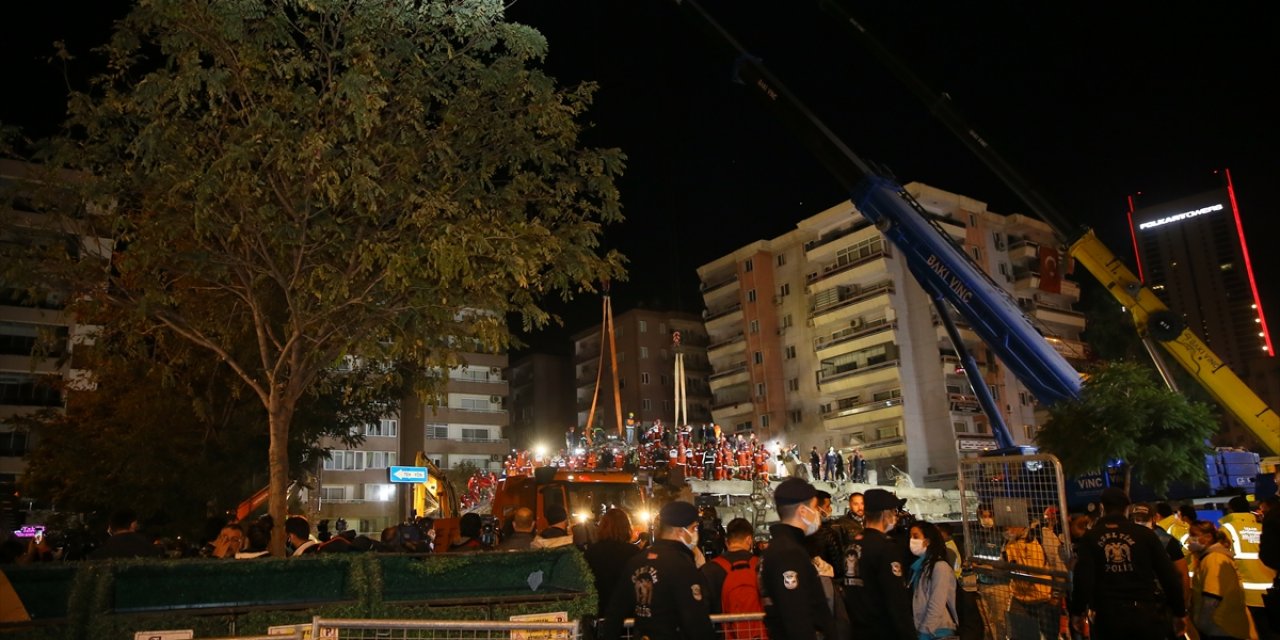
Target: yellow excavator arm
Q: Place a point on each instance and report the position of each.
(1153, 319)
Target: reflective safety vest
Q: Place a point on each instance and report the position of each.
(1246, 535)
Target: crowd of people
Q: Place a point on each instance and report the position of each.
(701, 452)
(1122, 571)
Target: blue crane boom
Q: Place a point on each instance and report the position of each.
(940, 266)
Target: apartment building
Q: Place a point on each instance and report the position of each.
(542, 399)
(822, 337)
(464, 426)
(646, 354)
(36, 333)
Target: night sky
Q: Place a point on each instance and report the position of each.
(1091, 102)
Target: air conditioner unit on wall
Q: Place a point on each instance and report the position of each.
(495, 370)
(495, 399)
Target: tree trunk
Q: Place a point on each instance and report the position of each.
(1128, 479)
(280, 414)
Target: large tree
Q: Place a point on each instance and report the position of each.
(163, 421)
(1124, 413)
(326, 178)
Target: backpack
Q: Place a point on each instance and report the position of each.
(740, 593)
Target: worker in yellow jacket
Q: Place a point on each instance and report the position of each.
(1244, 534)
(1217, 598)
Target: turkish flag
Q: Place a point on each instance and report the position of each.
(1050, 269)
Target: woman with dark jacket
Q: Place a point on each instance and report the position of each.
(609, 554)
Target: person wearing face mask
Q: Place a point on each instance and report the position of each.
(661, 587)
(933, 584)
(795, 605)
(994, 597)
(1217, 599)
(877, 595)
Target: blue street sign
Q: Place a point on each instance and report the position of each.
(408, 474)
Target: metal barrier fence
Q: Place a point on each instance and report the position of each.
(351, 629)
(723, 623)
(1017, 551)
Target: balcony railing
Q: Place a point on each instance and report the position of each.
(845, 371)
(865, 407)
(836, 267)
(710, 286)
(737, 337)
(844, 301)
(737, 367)
(836, 235)
(723, 312)
(852, 333)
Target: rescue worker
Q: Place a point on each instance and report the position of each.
(795, 605)
(1245, 533)
(1116, 575)
(661, 587)
(876, 592)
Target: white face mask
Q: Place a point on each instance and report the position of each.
(918, 546)
(810, 526)
(688, 540)
(1195, 547)
(987, 522)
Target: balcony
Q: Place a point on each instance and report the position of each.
(1024, 250)
(863, 413)
(708, 288)
(728, 410)
(854, 332)
(812, 245)
(734, 374)
(848, 299)
(1071, 349)
(1046, 312)
(716, 347)
(964, 403)
(838, 267)
(842, 373)
(733, 310)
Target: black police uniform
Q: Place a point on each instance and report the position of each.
(1125, 575)
(875, 587)
(663, 589)
(794, 603)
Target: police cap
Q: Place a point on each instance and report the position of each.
(880, 500)
(678, 514)
(793, 491)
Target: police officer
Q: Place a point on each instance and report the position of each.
(795, 605)
(661, 587)
(1125, 576)
(874, 573)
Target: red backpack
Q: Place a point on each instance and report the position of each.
(740, 593)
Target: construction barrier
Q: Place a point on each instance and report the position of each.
(352, 629)
(722, 622)
(1017, 551)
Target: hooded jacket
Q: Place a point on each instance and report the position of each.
(1225, 614)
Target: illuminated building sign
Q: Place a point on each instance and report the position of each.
(1179, 217)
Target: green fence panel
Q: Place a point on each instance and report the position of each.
(43, 588)
(140, 586)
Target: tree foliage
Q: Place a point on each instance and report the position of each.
(324, 178)
(176, 437)
(1125, 414)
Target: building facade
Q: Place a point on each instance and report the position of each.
(37, 334)
(542, 399)
(465, 426)
(821, 337)
(646, 355)
(1192, 253)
